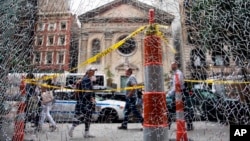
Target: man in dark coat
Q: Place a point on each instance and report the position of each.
(85, 103)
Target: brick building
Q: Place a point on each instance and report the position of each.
(55, 38)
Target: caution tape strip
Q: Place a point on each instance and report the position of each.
(116, 46)
(159, 33)
(219, 81)
(112, 48)
(120, 43)
(77, 90)
(101, 54)
(141, 86)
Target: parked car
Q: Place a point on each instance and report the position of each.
(233, 111)
(205, 103)
(106, 110)
(215, 107)
(120, 96)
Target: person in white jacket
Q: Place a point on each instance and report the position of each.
(47, 101)
(175, 69)
(188, 108)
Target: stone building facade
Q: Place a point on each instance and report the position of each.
(104, 26)
(195, 61)
(199, 62)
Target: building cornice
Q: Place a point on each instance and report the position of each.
(160, 15)
(125, 20)
(52, 14)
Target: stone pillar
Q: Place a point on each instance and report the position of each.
(208, 58)
(108, 42)
(83, 49)
(141, 49)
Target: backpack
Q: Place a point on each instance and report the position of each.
(139, 94)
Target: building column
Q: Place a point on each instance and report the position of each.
(83, 49)
(108, 42)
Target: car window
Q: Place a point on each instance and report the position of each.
(207, 94)
(98, 98)
(64, 95)
(111, 95)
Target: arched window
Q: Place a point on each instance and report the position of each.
(220, 58)
(198, 59)
(96, 48)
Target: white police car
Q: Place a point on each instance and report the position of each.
(106, 110)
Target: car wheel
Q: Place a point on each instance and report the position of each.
(108, 116)
(197, 114)
(200, 113)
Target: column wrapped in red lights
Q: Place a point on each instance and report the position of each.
(20, 120)
(181, 133)
(154, 98)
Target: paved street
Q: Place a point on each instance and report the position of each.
(204, 131)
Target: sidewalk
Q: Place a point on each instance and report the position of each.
(204, 131)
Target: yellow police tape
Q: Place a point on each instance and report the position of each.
(135, 87)
(115, 46)
(209, 81)
(112, 48)
(163, 37)
(103, 53)
(120, 43)
(44, 85)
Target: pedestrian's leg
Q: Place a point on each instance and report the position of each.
(38, 113)
(88, 116)
(169, 116)
(135, 110)
(48, 115)
(28, 111)
(188, 113)
(42, 115)
(127, 111)
(87, 119)
(77, 119)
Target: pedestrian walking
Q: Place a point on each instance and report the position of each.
(131, 98)
(33, 104)
(85, 103)
(188, 107)
(47, 99)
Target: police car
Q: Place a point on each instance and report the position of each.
(106, 110)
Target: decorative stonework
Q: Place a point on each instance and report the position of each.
(101, 24)
(96, 23)
(124, 66)
(85, 35)
(108, 34)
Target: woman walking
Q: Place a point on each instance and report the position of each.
(47, 102)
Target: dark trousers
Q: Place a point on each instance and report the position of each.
(188, 110)
(83, 114)
(130, 106)
(32, 110)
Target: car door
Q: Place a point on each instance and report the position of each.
(206, 104)
(64, 106)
